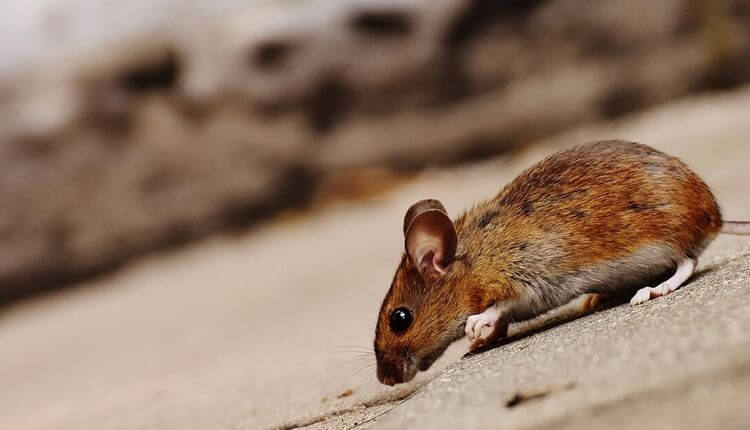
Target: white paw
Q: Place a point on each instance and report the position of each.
(645, 294)
(684, 270)
(642, 296)
(475, 324)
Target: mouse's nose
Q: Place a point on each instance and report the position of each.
(390, 370)
(389, 380)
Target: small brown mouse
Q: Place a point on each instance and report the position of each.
(604, 218)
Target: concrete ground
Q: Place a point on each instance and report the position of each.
(273, 328)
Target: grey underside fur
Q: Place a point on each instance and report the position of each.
(646, 267)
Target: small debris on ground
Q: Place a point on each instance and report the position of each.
(346, 393)
(523, 397)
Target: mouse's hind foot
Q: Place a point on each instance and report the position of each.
(684, 270)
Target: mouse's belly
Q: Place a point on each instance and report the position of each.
(555, 265)
(545, 288)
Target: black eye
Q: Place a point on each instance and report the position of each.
(400, 320)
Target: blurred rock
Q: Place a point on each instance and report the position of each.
(176, 119)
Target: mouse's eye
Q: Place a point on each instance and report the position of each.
(400, 320)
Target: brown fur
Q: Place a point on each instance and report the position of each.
(559, 229)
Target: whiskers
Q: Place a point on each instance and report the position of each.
(355, 352)
(350, 348)
(364, 357)
(368, 370)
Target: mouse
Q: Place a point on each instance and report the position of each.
(598, 220)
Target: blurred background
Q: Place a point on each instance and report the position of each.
(254, 158)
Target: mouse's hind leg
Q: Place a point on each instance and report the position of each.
(590, 302)
(684, 270)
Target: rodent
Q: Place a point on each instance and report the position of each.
(600, 219)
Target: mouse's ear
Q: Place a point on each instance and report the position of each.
(429, 236)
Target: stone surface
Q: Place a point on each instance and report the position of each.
(267, 328)
(170, 120)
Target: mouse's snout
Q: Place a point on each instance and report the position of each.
(389, 378)
(394, 369)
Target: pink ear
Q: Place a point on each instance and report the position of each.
(430, 237)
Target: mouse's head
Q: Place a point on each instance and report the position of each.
(422, 312)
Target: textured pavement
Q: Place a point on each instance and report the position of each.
(264, 329)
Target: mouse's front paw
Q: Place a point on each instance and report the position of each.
(475, 324)
(492, 319)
